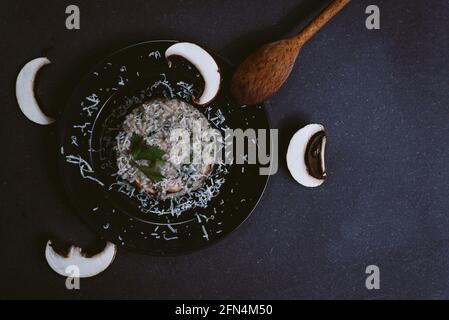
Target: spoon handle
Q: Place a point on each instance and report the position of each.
(314, 26)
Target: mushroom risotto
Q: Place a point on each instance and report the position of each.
(166, 148)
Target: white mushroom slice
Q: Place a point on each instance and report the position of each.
(305, 155)
(25, 92)
(89, 266)
(205, 64)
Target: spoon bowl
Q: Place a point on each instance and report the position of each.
(264, 71)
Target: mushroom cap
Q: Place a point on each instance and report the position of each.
(89, 266)
(204, 63)
(25, 91)
(296, 155)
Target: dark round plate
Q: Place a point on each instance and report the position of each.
(117, 210)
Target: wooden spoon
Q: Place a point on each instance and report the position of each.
(261, 74)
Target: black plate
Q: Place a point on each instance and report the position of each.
(114, 208)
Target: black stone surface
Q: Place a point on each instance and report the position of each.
(382, 95)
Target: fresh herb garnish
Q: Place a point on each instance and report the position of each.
(152, 154)
(153, 171)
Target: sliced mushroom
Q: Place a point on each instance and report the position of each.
(174, 188)
(305, 155)
(139, 185)
(207, 168)
(205, 64)
(89, 264)
(25, 92)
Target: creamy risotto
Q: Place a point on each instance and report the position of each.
(166, 147)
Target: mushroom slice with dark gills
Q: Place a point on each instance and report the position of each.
(25, 94)
(89, 262)
(204, 63)
(305, 155)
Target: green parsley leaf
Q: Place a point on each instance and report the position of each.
(141, 151)
(152, 154)
(152, 172)
(136, 142)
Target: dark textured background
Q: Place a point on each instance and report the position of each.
(382, 95)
